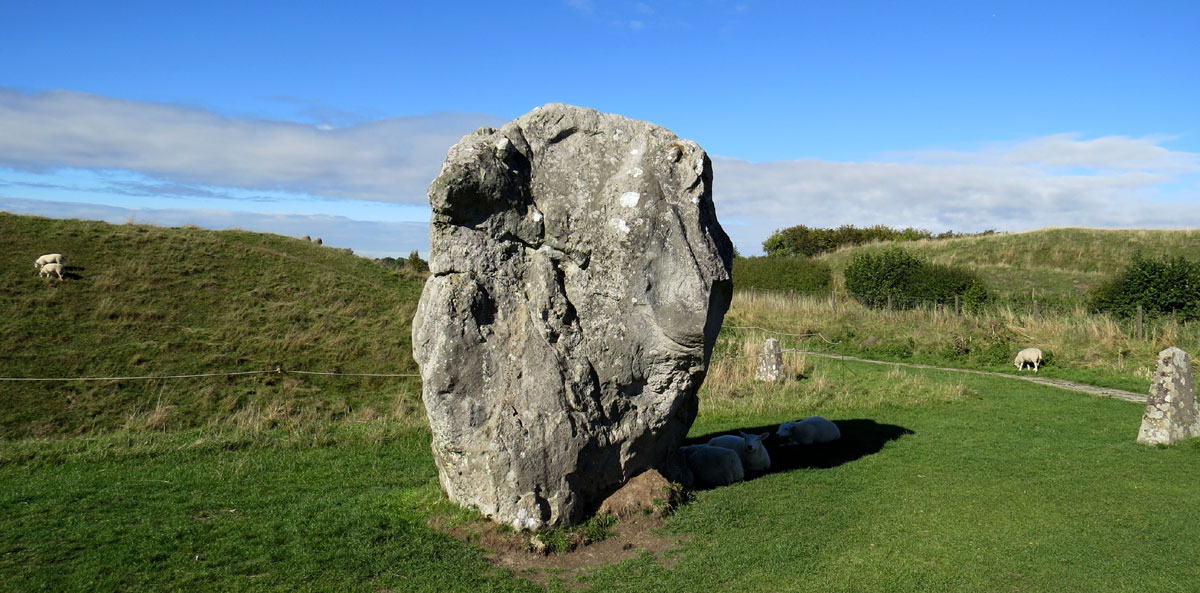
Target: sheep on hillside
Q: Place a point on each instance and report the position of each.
(52, 269)
(749, 447)
(49, 258)
(713, 466)
(809, 431)
(1028, 356)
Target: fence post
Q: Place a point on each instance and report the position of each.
(889, 303)
(957, 305)
(1141, 326)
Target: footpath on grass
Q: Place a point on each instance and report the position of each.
(1060, 383)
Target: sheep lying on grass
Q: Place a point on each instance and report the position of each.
(49, 258)
(749, 447)
(52, 269)
(809, 431)
(1028, 356)
(713, 466)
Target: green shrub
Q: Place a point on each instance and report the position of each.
(1161, 287)
(797, 273)
(976, 298)
(908, 281)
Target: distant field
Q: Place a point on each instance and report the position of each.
(1057, 265)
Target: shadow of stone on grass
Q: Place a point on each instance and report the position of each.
(860, 437)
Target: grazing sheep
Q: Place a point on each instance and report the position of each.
(749, 447)
(49, 258)
(306, 238)
(52, 269)
(1028, 356)
(318, 241)
(713, 466)
(809, 431)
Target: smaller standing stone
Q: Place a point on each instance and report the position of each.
(770, 364)
(1171, 407)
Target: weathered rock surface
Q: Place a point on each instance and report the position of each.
(770, 362)
(1171, 413)
(579, 279)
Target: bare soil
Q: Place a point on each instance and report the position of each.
(511, 550)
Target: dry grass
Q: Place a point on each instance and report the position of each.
(1085, 347)
(811, 384)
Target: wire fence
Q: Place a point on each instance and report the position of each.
(274, 371)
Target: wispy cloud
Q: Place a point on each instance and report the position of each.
(391, 160)
(1062, 151)
(1058, 180)
(585, 6)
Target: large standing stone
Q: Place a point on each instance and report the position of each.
(1171, 407)
(579, 279)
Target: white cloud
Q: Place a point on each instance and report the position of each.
(364, 237)
(1054, 181)
(390, 160)
(1060, 151)
(200, 158)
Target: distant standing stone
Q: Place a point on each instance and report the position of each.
(1171, 413)
(770, 364)
(579, 278)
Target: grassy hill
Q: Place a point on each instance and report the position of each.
(1061, 265)
(942, 481)
(149, 301)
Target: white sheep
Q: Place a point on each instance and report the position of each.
(749, 447)
(809, 431)
(52, 269)
(49, 258)
(713, 466)
(1028, 356)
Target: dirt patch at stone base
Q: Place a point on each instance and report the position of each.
(509, 549)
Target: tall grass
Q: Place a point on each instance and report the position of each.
(150, 301)
(1080, 346)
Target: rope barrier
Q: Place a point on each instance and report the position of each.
(278, 371)
(817, 335)
(354, 374)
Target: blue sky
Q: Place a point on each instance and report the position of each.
(331, 119)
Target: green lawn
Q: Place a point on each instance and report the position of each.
(1014, 487)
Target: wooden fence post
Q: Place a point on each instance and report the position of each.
(1141, 324)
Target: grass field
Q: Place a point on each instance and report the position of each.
(1003, 486)
(943, 481)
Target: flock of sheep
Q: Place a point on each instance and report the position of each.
(51, 263)
(728, 458)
